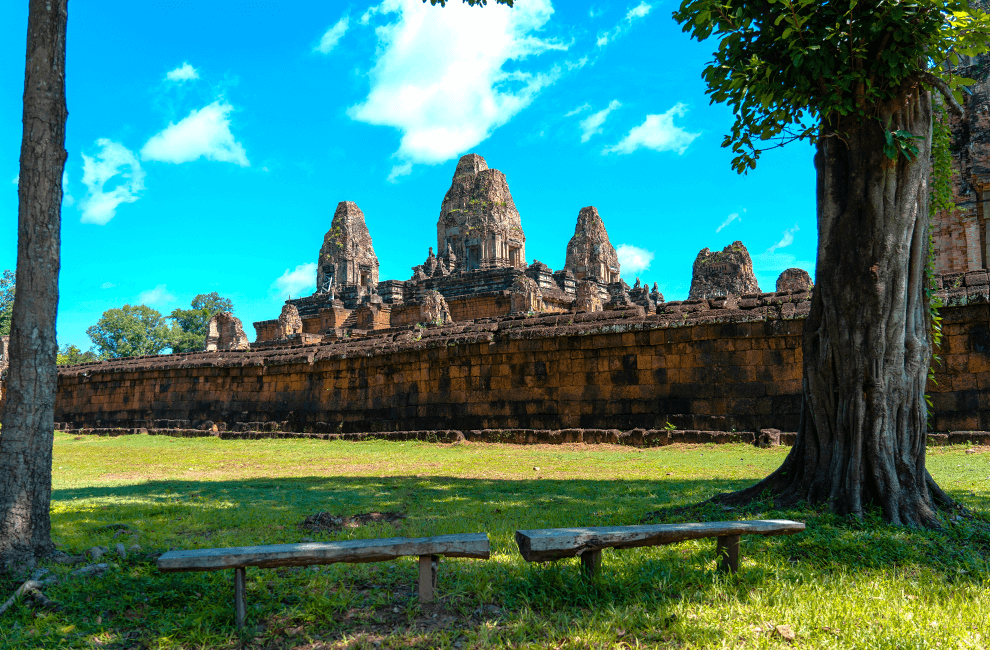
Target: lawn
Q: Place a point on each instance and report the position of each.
(841, 584)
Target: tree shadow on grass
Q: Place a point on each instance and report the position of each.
(198, 514)
(141, 604)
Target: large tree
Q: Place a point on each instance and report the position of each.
(29, 413)
(856, 79)
(130, 331)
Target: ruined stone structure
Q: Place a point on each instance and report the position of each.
(794, 280)
(479, 268)
(289, 321)
(225, 332)
(961, 240)
(721, 273)
(4, 347)
(526, 296)
(434, 309)
(347, 258)
(479, 226)
(695, 364)
(588, 299)
(589, 253)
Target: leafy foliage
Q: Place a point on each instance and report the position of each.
(900, 143)
(70, 355)
(788, 67)
(939, 200)
(189, 325)
(130, 331)
(6, 301)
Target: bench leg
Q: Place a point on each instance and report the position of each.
(727, 550)
(240, 609)
(591, 563)
(428, 565)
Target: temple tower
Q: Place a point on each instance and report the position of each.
(590, 255)
(724, 272)
(479, 226)
(347, 257)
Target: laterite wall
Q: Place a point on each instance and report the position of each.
(696, 366)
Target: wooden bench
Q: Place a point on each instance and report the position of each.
(556, 543)
(429, 550)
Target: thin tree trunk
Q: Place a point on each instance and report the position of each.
(866, 346)
(29, 413)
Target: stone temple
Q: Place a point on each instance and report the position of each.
(347, 258)
(478, 270)
(589, 253)
(722, 273)
(479, 226)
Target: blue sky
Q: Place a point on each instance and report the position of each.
(210, 142)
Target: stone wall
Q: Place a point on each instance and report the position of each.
(702, 365)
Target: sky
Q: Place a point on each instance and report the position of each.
(210, 142)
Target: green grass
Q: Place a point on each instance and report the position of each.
(841, 584)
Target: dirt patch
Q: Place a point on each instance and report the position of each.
(327, 522)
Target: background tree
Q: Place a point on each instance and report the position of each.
(189, 325)
(29, 412)
(130, 331)
(6, 301)
(855, 78)
(70, 355)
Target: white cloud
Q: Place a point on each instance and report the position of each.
(154, 297)
(787, 238)
(439, 76)
(399, 171)
(593, 123)
(637, 12)
(100, 205)
(17, 180)
(107, 285)
(184, 72)
(633, 259)
(634, 14)
(732, 217)
(658, 132)
(371, 11)
(295, 283)
(579, 109)
(204, 133)
(332, 36)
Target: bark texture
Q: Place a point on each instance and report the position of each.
(29, 413)
(866, 344)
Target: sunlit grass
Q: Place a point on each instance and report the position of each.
(841, 584)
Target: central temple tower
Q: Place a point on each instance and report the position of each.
(479, 226)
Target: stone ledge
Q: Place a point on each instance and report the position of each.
(632, 438)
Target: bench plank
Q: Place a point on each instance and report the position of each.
(554, 543)
(473, 545)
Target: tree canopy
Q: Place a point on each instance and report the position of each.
(130, 331)
(189, 325)
(71, 355)
(786, 67)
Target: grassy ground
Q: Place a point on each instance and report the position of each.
(841, 584)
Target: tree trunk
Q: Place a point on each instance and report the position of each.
(29, 412)
(866, 346)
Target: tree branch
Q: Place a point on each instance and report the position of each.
(943, 88)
